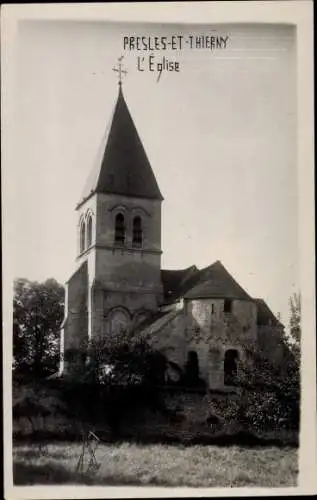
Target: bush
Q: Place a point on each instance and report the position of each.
(271, 393)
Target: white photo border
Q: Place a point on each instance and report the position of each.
(298, 13)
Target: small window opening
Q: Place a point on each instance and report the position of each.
(89, 231)
(231, 367)
(137, 232)
(212, 308)
(82, 237)
(119, 230)
(227, 308)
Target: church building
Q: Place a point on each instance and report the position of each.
(198, 316)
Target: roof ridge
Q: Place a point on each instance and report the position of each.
(179, 270)
(221, 284)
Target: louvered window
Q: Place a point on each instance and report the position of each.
(119, 230)
(137, 232)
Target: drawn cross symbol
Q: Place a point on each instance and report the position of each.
(120, 70)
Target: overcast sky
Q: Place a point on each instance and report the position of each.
(220, 135)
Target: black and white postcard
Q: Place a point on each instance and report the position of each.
(158, 249)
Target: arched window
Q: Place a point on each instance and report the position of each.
(119, 237)
(231, 367)
(89, 231)
(82, 236)
(137, 231)
(118, 321)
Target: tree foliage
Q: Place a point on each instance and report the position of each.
(121, 378)
(38, 310)
(124, 359)
(295, 316)
(271, 388)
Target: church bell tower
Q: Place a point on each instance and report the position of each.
(117, 284)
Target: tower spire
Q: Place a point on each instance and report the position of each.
(119, 69)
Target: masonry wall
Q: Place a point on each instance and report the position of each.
(75, 330)
(108, 206)
(270, 342)
(126, 277)
(130, 270)
(197, 408)
(169, 337)
(210, 332)
(89, 208)
(129, 306)
(124, 282)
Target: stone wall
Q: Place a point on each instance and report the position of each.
(210, 332)
(203, 327)
(270, 343)
(130, 306)
(123, 269)
(87, 208)
(75, 327)
(197, 408)
(167, 335)
(149, 211)
(125, 278)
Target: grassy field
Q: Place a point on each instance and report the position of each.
(158, 465)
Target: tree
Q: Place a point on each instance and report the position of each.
(38, 310)
(295, 317)
(121, 378)
(124, 359)
(271, 390)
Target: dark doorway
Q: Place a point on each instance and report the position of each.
(192, 369)
(231, 367)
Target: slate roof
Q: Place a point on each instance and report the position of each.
(122, 166)
(265, 315)
(177, 282)
(216, 282)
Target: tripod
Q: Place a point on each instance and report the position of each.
(89, 446)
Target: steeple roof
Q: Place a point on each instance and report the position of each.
(122, 166)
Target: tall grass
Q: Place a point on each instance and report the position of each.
(164, 465)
